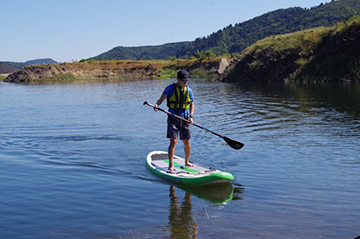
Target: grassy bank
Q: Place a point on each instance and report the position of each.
(3, 76)
(321, 54)
(198, 68)
(117, 70)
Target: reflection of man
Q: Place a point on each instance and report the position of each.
(180, 218)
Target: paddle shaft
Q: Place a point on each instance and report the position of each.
(179, 117)
(234, 144)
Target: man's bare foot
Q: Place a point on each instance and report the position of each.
(172, 169)
(188, 164)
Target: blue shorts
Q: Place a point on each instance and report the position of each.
(176, 126)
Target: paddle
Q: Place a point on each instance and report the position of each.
(232, 143)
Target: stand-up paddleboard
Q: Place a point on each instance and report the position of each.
(158, 163)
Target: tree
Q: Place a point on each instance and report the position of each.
(209, 54)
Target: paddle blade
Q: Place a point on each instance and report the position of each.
(233, 143)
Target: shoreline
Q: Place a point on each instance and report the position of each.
(116, 70)
(3, 76)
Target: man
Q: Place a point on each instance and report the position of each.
(180, 101)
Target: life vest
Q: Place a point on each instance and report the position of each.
(180, 99)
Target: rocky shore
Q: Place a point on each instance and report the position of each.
(88, 71)
(118, 70)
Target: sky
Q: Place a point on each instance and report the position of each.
(72, 30)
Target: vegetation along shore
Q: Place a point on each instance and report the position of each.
(116, 70)
(323, 54)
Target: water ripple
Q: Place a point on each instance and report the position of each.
(72, 160)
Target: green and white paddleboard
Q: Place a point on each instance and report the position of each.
(158, 162)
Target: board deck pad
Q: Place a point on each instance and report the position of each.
(161, 161)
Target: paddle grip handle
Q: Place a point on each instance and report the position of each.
(167, 112)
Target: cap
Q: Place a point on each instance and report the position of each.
(183, 75)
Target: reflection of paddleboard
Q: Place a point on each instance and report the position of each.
(157, 162)
(215, 193)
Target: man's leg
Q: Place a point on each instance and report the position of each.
(187, 149)
(171, 152)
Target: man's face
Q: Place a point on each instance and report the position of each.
(182, 83)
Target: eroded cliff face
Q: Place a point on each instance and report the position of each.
(88, 71)
(322, 55)
(119, 70)
(265, 67)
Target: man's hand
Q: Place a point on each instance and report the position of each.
(162, 98)
(191, 120)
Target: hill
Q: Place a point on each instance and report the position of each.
(8, 67)
(323, 54)
(234, 39)
(143, 52)
(39, 61)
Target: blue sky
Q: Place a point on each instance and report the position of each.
(71, 30)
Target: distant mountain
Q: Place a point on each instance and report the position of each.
(234, 39)
(143, 52)
(8, 66)
(39, 61)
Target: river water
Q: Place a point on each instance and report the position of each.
(72, 162)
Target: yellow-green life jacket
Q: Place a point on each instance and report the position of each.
(180, 99)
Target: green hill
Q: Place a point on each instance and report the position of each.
(234, 39)
(323, 54)
(8, 66)
(165, 51)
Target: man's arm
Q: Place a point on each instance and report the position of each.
(160, 100)
(192, 110)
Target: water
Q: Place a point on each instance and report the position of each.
(72, 162)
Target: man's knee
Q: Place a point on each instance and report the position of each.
(173, 141)
(186, 142)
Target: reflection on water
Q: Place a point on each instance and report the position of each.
(271, 109)
(181, 221)
(215, 193)
(344, 98)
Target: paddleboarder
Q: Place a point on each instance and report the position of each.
(180, 101)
